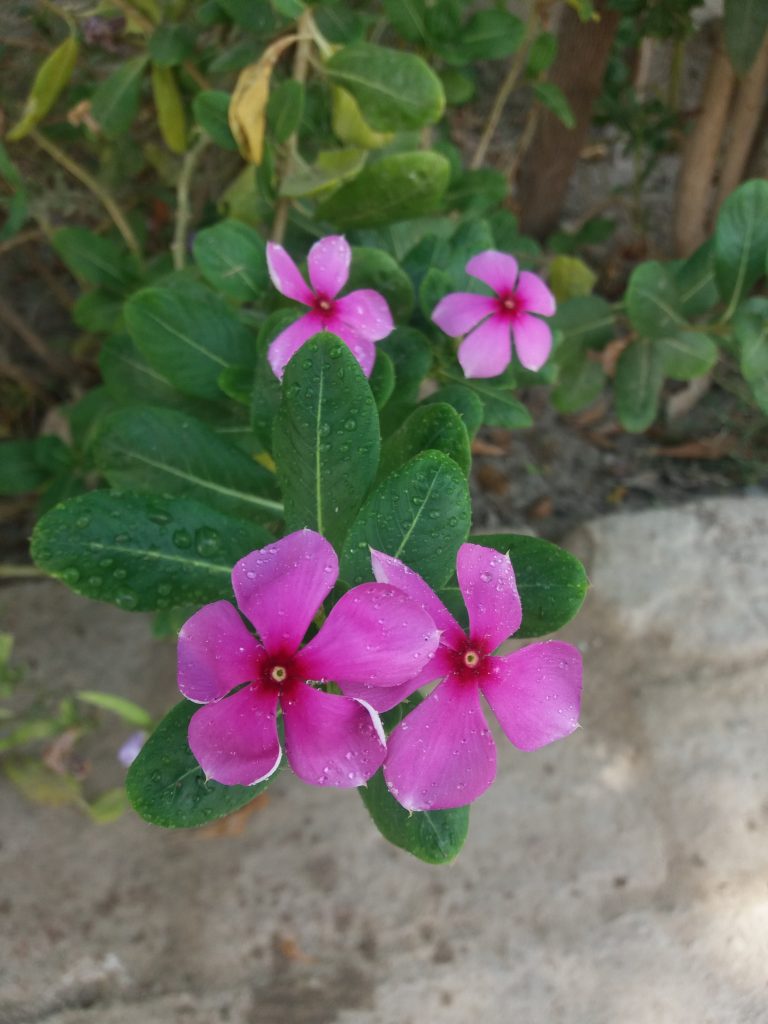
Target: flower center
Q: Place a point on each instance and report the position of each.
(324, 305)
(278, 674)
(471, 659)
(509, 304)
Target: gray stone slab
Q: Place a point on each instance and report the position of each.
(618, 877)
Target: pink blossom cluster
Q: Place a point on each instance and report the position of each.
(380, 643)
(487, 323)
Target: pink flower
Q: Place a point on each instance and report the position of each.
(374, 633)
(442, 754)
(359, 319)
(492, 320)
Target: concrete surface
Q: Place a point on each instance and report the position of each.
(619, 877)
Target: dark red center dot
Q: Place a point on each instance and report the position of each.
(509, 304)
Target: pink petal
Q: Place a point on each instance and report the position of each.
(459, 312)
(533, 341)
(535, 694)
(331, 740)
(535, 296)
(235, 740)
(286, 276)
(384, 698)
(496, 269)
(374, 634)
(289, 341)
(487, 583)
(366, 313)
(442, 754)
(387, 569)
(486, 352)
(216, 653)
(279, 588)
(328, 264)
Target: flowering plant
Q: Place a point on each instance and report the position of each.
(346, 531)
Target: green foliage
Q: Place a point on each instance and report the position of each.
(166, 785)
(326, 438)
(142, 552)
(746, 23)
(433, 836)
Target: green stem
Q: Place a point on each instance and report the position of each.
(10, 572)
(93, 186)
(183, 202)
(505, 89)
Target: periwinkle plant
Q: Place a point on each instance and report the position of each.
(330, 578)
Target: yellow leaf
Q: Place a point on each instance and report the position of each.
(52, 76)
(350, 126)
(570, 277)
(171, 117)
(40, 784)
(248, 106)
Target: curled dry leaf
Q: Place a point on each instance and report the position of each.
(248, 107)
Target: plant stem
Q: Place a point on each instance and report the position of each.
(505, 89)
(300, 68)
(9, 572)
(183, 203)
(57, 363)
(31, 235)
(93, 186)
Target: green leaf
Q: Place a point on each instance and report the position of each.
(115, 101)
(433, 836)
(551, 582)
(29, 464)
(464, 401)
(394, 90)
(579, 379)
(170, 45)
(687, 355)
(570, 278)
(695, 280)
(289, 8)
(638, 383)
(98, 311)
(95, 260)
(382, 379)
(120, 706)
(51, 78)
(285, 109)
(188, 337)
(459, 88)
(210, 108)
(554, 99)
(746, 22)
(166, 785)
(267, 393)
(750, 325)
(373, 268)
(232, 258)
(331, 168)
(586, 321)
(435, 426)
(478, 192)
(741, 242)
(149, 449)
(407, 18)
(541, 54)
(143, 552)
(396, 187)
(653, 301)
(435, 285)
(326, 438)
(41, 784)
(488, 35)
(411, 357)
(129, 378)
(420, 514)
(502, 409)
(171, 118)
(109, 806)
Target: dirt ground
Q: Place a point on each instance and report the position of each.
(617, 877)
